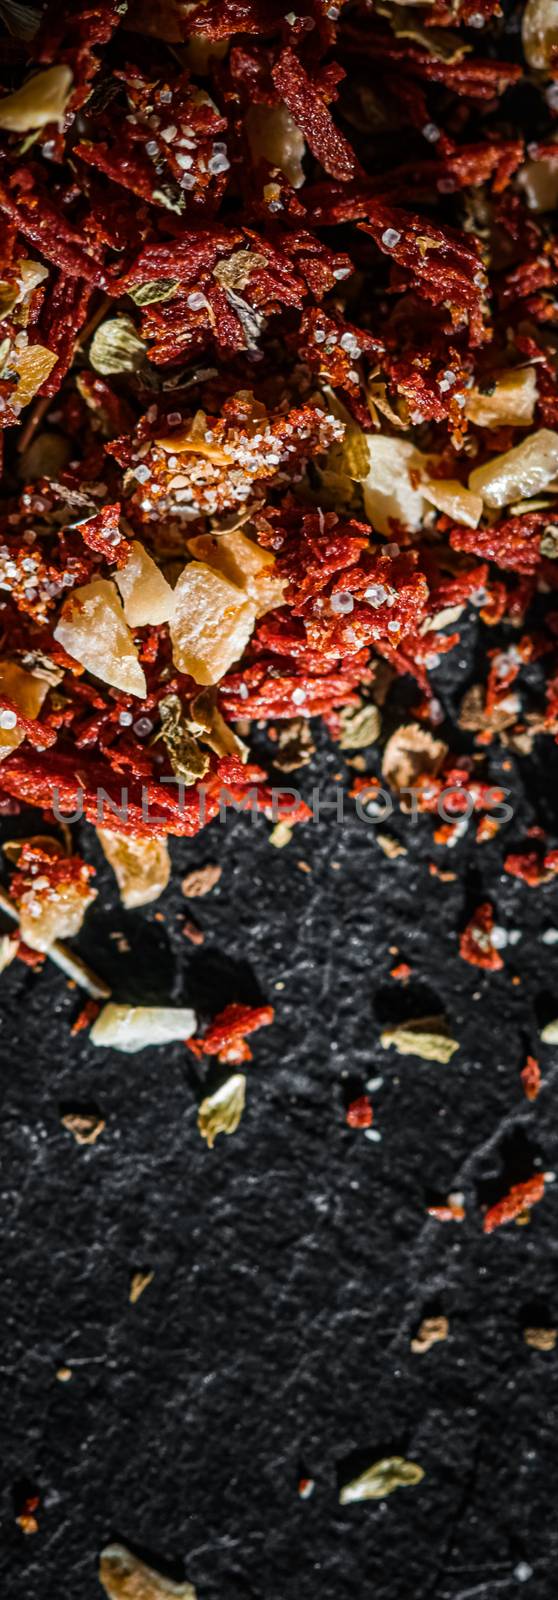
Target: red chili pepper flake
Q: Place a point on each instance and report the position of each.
(453, 1210)
(226, 1035)
(530, 867)
(531, 1078)
(86, 1016)
(521, 1197)
(476, 943)
(306, 1487)
(402, 971)
(360, 1114)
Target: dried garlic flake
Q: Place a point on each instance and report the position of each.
(146, 596)
(221, 1112)
(123, 1577)
(426, 1037)
(41, 100)
(392, 1472)
(141, 866)
(131, 1028)
(93, 629)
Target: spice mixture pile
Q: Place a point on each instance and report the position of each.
(279, 401)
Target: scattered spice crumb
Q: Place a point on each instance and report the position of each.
(431, 1331)
(360, 1114)
(531, 1078)
(85, 1129)
(541, 1338)
(201, 880)
(140, 1282)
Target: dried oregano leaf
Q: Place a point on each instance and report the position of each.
(123, 1577)
(187, 760)
(116, 347)
(427, 1037)
(360, 727)
(158, 289)
(221, 1112)
(392, 1472)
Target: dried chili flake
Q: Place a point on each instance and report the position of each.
(476, 943)
(520, 1198)
(226, 1035)
(360, 1114)
(531, 1078)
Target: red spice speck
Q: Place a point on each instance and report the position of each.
(519, 1198)
(86, 1016)
(531, 1078)
(360, 1114)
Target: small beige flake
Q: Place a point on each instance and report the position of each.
(541, 1338)
(392, 1472)
(64, 1374)
(409, 753)
(427, 1037)
(431, 1331)
(85, 1129)
(201, 880)
(140, 1281)
(391, 847)
(221, 1112)
(280, 835)
(123, 1577)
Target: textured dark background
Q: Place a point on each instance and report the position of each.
(294, 1262)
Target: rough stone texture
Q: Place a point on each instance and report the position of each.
(294, 1262)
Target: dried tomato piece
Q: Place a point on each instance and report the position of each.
(521, 1197)
(360, 1114)
(531, 1078)
(476, 942)
(226, 1035)
(306, 103)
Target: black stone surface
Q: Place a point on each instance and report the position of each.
(294, 1262)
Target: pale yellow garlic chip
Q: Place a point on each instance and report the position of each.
(27, 693)
(244, 563)
(141, 866)
(211, 623)
(131, 1028)
(124, 1577)
(550, 1032)
(41, 100)
(426, 1037)
(539, 182)
(539, 33)
(146, 596)
(221, 1112)
(273, 136)
(525, 471)
(33, 366)
(511, 401)
(392, 1472)
(389, 494)
(449, 496)
(46, 915)
(93, 629)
